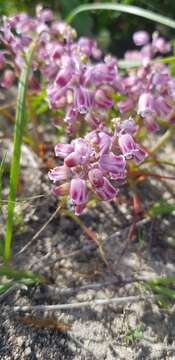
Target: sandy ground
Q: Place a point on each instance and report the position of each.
(68, 259)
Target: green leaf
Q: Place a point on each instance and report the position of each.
(5, 287)
(164, 280)
(164, 291)
(161, 208)
(18, 133)
(26, 277)
(134, 10)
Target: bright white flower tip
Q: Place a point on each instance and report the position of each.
(59, 173)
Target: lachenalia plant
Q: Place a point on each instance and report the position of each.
(104, 106)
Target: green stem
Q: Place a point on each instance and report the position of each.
(17, 141)
(165, 137)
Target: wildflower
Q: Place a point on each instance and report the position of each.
(8, 79)
(59, 173)
(130, 149)
(78, 191)
(96, 177)
(112, 163)
(140, 38)
(107, 192)
(146, 104)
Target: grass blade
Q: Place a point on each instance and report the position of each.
(5, 287)
(26, 277)
(125, 64)
(1, 175)
(164, 280)
(15, 163)
(133, 10)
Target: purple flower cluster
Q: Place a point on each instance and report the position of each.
(90, 90)
(16, 35)
(150, 88)
(81, 87)
(92, 162)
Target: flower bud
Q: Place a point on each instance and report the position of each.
(63, 150)
(127, 145)
(161, 45)
(73, 159)
(8, 79)
(83, 100)
(125, 105)
(130, 149)
(96, 178)
(78, 191)
(102, 97)
(146, 104)
(104, 142)
(107, 191)
(140, 38)
(63, 77)
(61, 190)
(151, 124)
(112, 163)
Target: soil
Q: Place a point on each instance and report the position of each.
(69, 259)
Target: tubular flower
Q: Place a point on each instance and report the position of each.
(92, 162)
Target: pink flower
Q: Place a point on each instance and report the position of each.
(8, 79)
(83, 149)
(96, 178)
(107, 191)
(59, 173)
(83, 100)
(61, 190)
(104, 142)
(73, 159)
(78, 191)
(64, 77)
(151, 124)
(125, 105)
(130, 149)
(161, 45)
(63, 150)
(112, 163)
(2, 59)
(140, 38)
(128, 126)
(101, 73)
(146, 104)
(102, 97)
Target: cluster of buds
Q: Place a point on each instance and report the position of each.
(95, 165)
(17, 33)
(150, 88)
(77, 81)
(80, 83)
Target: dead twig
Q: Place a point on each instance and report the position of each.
(78, 305)
(52, 292)
(38, 232)
(138, 224)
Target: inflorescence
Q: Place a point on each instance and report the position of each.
(102, 107)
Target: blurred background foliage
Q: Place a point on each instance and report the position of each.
(112, 30)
